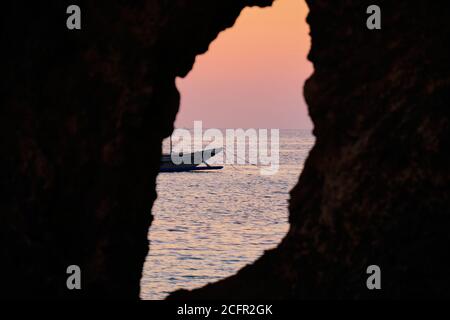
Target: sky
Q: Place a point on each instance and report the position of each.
(253, 74)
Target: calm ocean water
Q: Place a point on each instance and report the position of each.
(208, 225)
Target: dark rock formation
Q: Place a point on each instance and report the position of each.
(83, 114)
(375, 189)
(82, 118)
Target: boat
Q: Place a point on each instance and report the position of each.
(167, 164)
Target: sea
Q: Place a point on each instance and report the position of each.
(210, 224)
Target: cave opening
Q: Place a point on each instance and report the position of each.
(208, 225)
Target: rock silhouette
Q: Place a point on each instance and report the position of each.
(84, 113)
(83, 116)
(375, 188)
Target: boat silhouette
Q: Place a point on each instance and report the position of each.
(190, 162)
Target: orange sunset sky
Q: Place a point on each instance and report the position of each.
(253, 74)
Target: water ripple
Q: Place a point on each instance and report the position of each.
(208, 226)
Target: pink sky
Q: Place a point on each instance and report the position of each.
(253, 74)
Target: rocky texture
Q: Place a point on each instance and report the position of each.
(82, 118)
(83, 115)
(375, 189)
